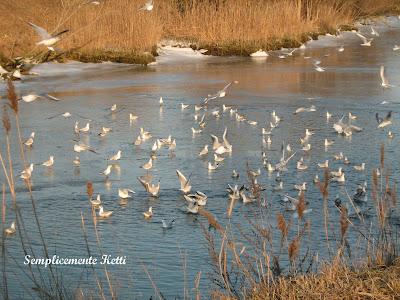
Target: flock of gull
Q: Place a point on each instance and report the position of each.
(219, 148)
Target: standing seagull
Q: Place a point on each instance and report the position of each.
(47, 39)
(107, 171)
(11, 230)
(49, 163)
(385, 81)
(116, 156)
(148, 6)
(30, 140)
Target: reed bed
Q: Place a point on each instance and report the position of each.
(119, 31)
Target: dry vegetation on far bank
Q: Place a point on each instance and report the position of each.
(118, 30)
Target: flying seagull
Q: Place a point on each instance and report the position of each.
(385, 81)
(219, 94)
(384, 122)
(47, 39)
(366, 41)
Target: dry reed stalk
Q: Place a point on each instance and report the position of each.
(196, 286)
(222, 264)
(325, 193)
(7, 127)
(158, 293)
(98, 282)
(283, 227)
(212, 221)
(3, 245)
(344, 224)
(293, 250)
(184, 267)
(90, 191)
(230, 207)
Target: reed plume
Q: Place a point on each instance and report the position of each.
(301, 206)
(6, 120)
(12, 96)
(89, 189)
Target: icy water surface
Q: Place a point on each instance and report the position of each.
(351, 83)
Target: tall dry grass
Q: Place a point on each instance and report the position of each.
(222, 26)
(276, 261)
(336, 282)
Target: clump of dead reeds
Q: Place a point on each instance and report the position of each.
(263, 270)
(336, 282)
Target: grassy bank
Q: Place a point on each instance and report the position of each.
(337, 282)
(116, 29)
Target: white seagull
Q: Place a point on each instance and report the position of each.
(384, 122)
(366, 41)
(49, 163)
(116, 156)
(47, 39)
(124, 193)
(107, 171)
(185, 183)
(30, 140)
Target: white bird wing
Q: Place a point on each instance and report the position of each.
(283, 151)
(50, 97)
(144, 183)
(383, 77)
(182, 179)
(3, 71)
(363, 38)
(227, 86)
(40, 31)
